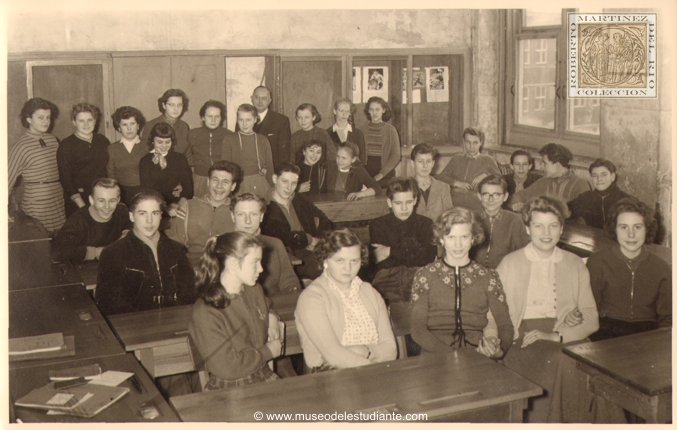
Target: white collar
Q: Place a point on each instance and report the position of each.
(348, 128)
(262, 115)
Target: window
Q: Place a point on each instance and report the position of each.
(537, 110)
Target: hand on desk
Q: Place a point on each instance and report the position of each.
(535, 335)
(573, 318)
(491, 347)
(381, 252)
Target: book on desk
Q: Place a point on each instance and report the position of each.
(83, 401)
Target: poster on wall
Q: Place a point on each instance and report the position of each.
(437, 84)
(357, 85)
(418, 83)
(375, 82)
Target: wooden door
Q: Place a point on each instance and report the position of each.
(201, 78)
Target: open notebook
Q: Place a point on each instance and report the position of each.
(83, 400)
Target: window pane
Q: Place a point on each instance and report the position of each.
(539, 18)
(536, 82)
(583, 116)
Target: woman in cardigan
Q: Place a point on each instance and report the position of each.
(440, 318)
(82, 157)
(435, 195)
(125, 154)
(381, 140)
(551, 304)
(342, 321)
(346, 174)
(632, 286)
(344, 129)
(232, 324)
(165, 170)
(34, 158)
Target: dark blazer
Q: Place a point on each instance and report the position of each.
(275, 223)
(357, 176)
(356, 136)
(129, 280)
(276, 128)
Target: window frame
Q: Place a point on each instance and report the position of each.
(581, 144)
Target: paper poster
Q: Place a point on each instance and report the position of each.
(357, 85)
(437, 84)
(375, 82)
(419, 82)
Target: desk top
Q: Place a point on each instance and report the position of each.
(436, 384)
(158, 327)
(65, 309)
(584, 240)
(22, 381)
(31, 267)
(642, 361)
(338, 209)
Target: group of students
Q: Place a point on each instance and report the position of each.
(476, 273)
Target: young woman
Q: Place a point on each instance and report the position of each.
(347, 175)
(172, 105)
(313, 177)
(342, 321)
(632, 286)
(82, 157)
(232, 325)
(381, 140)
(435, 195)
(165, 170)
(307, 117)
(145, 269)
(551, 304)
(451, 297)
(344, 129)
(125, 154)
(251, 151)
(34, 158)
(205, 144)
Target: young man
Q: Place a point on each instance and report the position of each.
(559, 181)
(593, 207)
(504, 230)
(435, 195)
(90, 229)
(465, 171)
(402, 240)
(521, 177)
(247, 211)
(290, 217)
(173, 104)
(273, 125)
(202, 217)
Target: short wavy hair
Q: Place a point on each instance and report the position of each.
(313, 111)
(557, 153)
(85, 107)
(216, 104)
(545, 204)
(342, 100)
(144, 195)
(602, 162)
(35, 104)
(126, 112)
(632, 205)
(524, 153)
(226, 166)
(387, 112)
(472, 131)
(493, 180)
(163, 130)
(402, 185)
(458, 215)
(423, 148)
(247, 197)
(333, 241)
(173, 92)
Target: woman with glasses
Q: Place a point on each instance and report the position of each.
(344, 129)
(452, 296)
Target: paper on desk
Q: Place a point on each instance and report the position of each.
(111, 378)
(36, 344)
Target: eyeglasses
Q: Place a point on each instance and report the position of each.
(493, 196)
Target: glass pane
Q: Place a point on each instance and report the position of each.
(583, 116)
(536, 67)
(539, 18)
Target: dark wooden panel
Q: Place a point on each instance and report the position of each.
(202, 79)
(66, 86)
(140, 81)
(315, 82)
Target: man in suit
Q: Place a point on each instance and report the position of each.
(275, 126)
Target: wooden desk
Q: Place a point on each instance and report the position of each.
(159, 337)
(338, 209)
(459, 386)
(88, 273)
(31, 267)
(632, 371)
(583, 240)
(22, 381)
(66, 309)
